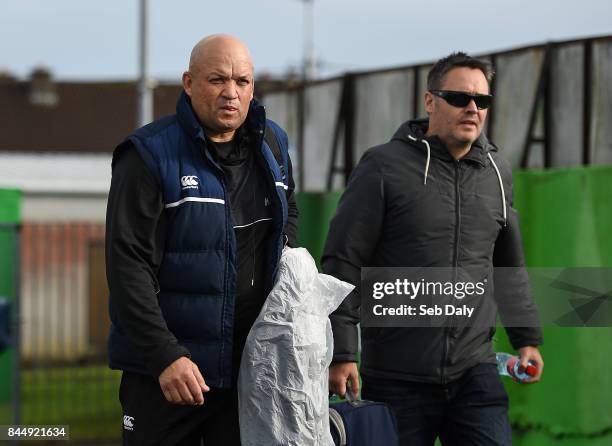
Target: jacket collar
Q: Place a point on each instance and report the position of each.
(415, 130)
(477, 153)
(255, 120)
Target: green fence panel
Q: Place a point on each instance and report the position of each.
(10, 201)
(566, 220)
(565, 216)
(316, 211)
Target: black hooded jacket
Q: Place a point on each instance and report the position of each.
(409, 203)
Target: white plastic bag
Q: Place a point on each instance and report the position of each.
(282, 386)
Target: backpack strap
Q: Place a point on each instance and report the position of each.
(272, 141)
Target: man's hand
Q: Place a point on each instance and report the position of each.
(339, 374)
(182, 383)
(531, 354)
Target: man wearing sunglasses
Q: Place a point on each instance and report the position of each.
(437, 195)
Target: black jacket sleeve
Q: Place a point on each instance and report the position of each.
(135, 231)
(512, 290)
(353, 236)
(291, 228)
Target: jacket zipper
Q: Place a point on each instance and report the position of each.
(228, 227)
(458, 218)
(221, 178)
(447, 329)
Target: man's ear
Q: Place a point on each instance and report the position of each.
(429, 102)
(187, 82)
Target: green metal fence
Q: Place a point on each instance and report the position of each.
(9, 288)
(566, 219)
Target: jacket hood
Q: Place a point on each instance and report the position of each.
(413, 133)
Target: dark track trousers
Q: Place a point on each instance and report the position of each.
(148, 419)
(472, 411)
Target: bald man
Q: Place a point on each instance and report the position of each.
(200, 206)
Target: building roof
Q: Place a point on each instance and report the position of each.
(41, 114)
(73, 116)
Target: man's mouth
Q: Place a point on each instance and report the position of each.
(468, 122)
(229, 108)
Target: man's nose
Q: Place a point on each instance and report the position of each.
(230, 91)
(471, 107)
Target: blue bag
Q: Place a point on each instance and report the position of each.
(362, 423)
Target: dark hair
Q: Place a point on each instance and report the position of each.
(456, 60)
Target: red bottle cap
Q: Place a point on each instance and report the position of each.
(531, 370)
(510, 365)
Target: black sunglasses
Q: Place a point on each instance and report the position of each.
(462, 99)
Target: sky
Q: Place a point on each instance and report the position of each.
(98, 40)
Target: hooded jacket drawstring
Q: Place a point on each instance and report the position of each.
(428, 156)
(501, 183)
(427, 162)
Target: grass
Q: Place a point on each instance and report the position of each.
(84, 397)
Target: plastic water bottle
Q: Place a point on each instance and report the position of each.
(508, 365)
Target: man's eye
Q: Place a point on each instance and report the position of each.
(243, 82)
(216, 80)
